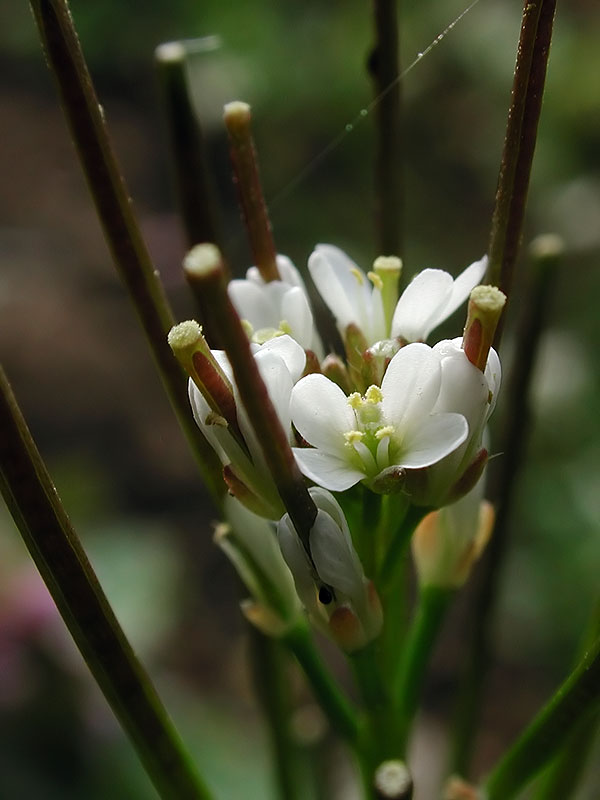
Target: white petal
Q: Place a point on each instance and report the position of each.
(331, 287)
(289, 273)
(296, 311)
(334, 556)
(461, 289)
(417, 311)
(464, 388)
(435, 438)
(321, 413)
(290, 351)
(279, 384)
(410, 385)
(493, 374)
(252, 303)
(327, 470)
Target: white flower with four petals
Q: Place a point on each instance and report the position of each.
(355, 438)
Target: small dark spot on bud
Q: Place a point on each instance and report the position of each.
(325, 595)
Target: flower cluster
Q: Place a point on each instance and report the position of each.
(397, 417)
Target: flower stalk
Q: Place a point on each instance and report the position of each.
(192, 176)
(115, 211)
(238, 120)
(57, 552)
(384, 66)
(432, 604)
(519, 144)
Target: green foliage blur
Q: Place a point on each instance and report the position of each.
(78, 365)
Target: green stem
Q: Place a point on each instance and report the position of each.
(273, 691)
(115, 211)
(398, 546)
(516, 419)
(384, 66)
(519, 143)
(577, 699)
(380, 741)
(53, 544)
(408, 685)
(337, 708)
(565, 772)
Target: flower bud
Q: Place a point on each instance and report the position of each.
(447, 542)
(249, 542)
(330, 580)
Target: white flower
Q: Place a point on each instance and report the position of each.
(332, 585)
(430, 298)
(354, 297)
(281, 362)
(355, 438)
(276, 306)
(348, 292)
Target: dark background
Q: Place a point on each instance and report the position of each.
(77, 361)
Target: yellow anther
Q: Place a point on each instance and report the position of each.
(375, 280)
(248, 329)
(387, 430)
(374, 394)
(357, 274)
(263, 335)
(355, 401)
(353, 436)
(284, 327)
(215, 419)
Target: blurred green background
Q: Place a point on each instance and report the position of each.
(75, 356)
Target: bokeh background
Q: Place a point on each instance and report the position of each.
(72, 349)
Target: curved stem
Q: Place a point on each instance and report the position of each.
(53, 544)
(576, 700)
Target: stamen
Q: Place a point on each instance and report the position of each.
(353, 436)
(387, 430)
(374, 394)
(358, 275)
(355, 400)
(375, 280)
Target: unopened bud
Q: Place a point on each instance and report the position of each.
(446, 543)
(335, 369)
(458, 789)
(485, 307)
(361, 369)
